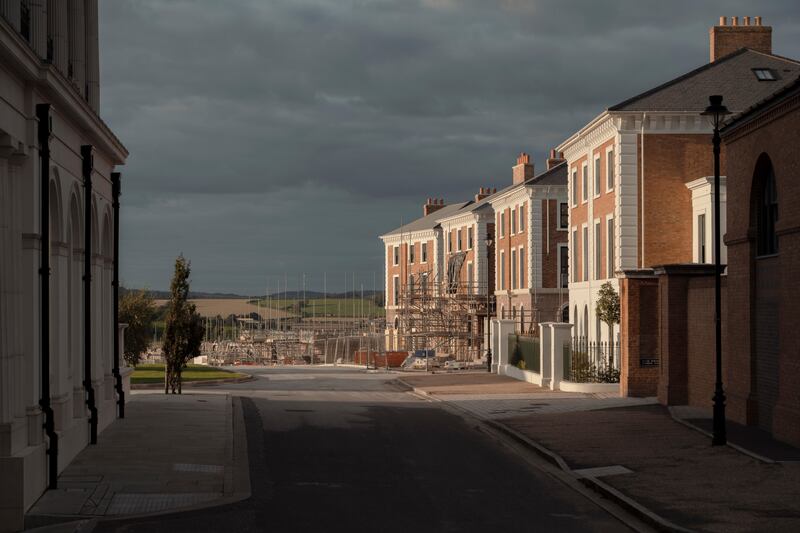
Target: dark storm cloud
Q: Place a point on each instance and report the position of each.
(233, 110)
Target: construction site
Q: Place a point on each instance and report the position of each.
(444, 314)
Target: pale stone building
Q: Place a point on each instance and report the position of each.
(51, 133)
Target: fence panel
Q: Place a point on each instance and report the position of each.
(591, 361)
(524, 352)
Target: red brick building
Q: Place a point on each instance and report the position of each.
(640, 193)
(531, 256)
(763, 239)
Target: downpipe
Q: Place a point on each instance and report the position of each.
(44, 131)
(115, 193)
(88, 164)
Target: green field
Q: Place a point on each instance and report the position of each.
(334, 307)
(154, 373)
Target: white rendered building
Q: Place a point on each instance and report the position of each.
(51, 133)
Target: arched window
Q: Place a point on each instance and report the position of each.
(396, 322)
(766, 207)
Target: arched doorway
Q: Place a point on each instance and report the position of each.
(766, 268)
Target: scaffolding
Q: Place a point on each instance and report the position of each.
(444, 314)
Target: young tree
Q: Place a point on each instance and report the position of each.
(137, 309)
(184, 328)
(607, 307)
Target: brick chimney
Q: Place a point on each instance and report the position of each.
(523, 170)
(555, 159)
(727, 38)
(483, 192)
(432, 205)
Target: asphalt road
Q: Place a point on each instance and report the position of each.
(344, 450)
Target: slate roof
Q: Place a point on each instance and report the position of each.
(731, 76)
(427, 222)
(555, 176)
(776, 98)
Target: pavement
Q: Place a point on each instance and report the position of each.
(658, 464)
(334, 449)
(170, 452)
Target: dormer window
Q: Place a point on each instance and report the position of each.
(764, 74)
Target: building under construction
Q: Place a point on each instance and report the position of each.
(446, 315)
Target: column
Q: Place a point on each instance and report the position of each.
(77, 43)
(57, 24)
(545, 352)
(11, 12)
(39, 27)
(92, 55)
(561, 334)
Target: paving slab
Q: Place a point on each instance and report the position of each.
(170, 452)
(675, 471)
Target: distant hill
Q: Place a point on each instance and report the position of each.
(164, 295)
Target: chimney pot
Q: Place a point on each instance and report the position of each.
(726, 39)
(723, 21)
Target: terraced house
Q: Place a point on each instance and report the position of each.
(640, 182)
(531, 254)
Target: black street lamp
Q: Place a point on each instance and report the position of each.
(489, 242)
(715, 113)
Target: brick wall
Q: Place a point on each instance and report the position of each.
(638, 333)
(776, 134)
(671, 161)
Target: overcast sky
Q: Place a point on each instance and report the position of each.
(271, 138)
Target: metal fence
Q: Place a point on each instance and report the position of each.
(591, 361)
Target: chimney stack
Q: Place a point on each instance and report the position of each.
(483, 192)
(432, 205)
(555, 159)
(523, 170)
(725, 39)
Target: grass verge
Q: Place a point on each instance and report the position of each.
(154, 373)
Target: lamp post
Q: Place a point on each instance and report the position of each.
(715, 112)
(489, 242)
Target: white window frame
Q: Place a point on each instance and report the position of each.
(470, 237)
(597, 237)
(597, 175)
(502, 223)
(574, 180)
(573, 260)
(559, 265)
(521, 212)
(585, 182)
(700, 230)
(396, 255)
(502, 271)
(585, 252)
(470, 275)
(395, 289)
(411, 248)
(459, 243)
(522, 270)
(513, 221)
(449, 241)
(611, 168)
(566, 227)
(423, 252)
(611, 251)
(514, 275)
